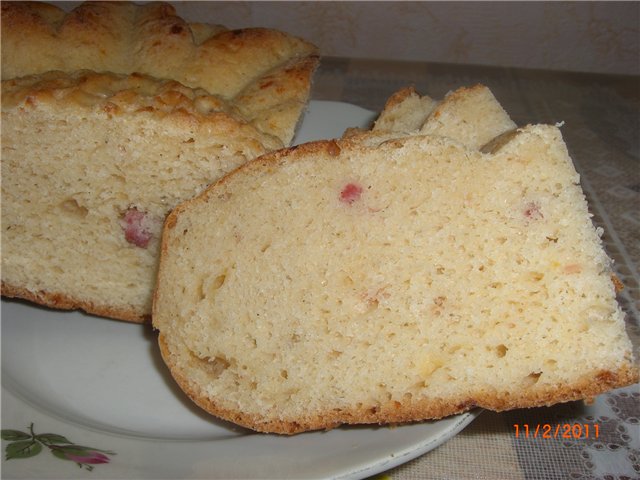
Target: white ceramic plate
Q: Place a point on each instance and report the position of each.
(101, 384)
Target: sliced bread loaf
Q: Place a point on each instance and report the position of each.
(100, 159)
(264, 73)
(405, 111)
(343, 283)
(470, 115)
(91, 165)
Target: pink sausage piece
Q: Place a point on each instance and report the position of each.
(350, 193)
(136, 227)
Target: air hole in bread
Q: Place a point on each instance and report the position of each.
(72, 207)
(430, 366)
(218, 282)
(536, 276)
(215, 366)
(347, 280)
(209, 285)
(532, 378)
(119, 178)
(501, 350)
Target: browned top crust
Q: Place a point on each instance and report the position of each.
(400, 96)
(131, 94)
(265, 72)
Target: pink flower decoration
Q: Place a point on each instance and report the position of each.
(91, 457)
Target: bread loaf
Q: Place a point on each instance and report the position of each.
(264, 73)
(470, 115)
(405, 111)
(91, 165)
(345, 283)
(111, 115)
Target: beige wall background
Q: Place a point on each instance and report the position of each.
(602, 37)
(576, 36)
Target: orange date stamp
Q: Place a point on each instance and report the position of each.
(573, 431)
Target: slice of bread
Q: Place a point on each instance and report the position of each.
(91, 165)
(265, 73)
(470, 115)
(343, 283)
(405, 111)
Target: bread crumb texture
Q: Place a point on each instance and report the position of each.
(339, 282)
(91, 165)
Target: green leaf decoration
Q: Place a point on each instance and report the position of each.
(59, 454)
(83, 447)
(25, 445)
(23, 449)
(52, 439)
(13, 435)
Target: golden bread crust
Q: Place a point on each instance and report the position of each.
(126, 38)
(61, 301)
(396, 413)
(133, 94)
(399, 96)
(469, 115)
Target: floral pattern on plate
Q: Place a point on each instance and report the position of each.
(29, 444)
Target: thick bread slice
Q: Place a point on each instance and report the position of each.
(91, 164)
(405, 111)
(470, 115)
(264, 72)
(341, 283)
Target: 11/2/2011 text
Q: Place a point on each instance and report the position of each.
(573, 431)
